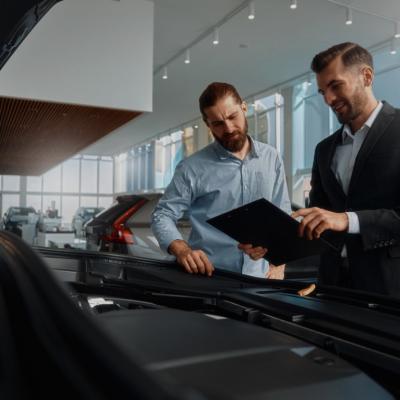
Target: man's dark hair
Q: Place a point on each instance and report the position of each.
(215, 91)
(350, 53)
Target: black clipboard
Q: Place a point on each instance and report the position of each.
(261, 223)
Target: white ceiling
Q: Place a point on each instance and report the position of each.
(253, 55)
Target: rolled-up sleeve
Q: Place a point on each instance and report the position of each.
(171, 207)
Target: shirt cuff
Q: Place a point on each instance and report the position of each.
(354, 223)
(165, 242)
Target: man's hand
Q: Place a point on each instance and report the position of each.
(317, 220)
(276, 272)
(194, 261)
(255, 253)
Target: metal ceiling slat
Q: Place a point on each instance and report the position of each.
(37, 135)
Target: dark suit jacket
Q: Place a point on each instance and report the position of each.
(374, 194)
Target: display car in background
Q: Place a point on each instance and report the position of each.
(124, 227)
(107, 326)
(15, 217)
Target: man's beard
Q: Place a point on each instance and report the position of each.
(233, 141)
(355, 106)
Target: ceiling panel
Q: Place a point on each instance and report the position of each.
(254, 55)
(36, 135)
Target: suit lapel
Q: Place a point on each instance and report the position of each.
(330, 177)
(376, 131)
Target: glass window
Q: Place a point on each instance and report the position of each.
(89, 176)
(143, 168)
(120, 173)
(105, 201)
(11, 182)
(88, 201)
(69, 205)
(311, 123)
(386, 86)
(106, 177)
(176, 150)
(159, 164)
(150, 165)
(188, 141)
(9, 200)
(34, 184)
(267, 121)
(52, 180)
(35, 201)
(70, 176)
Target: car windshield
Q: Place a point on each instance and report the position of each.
(23, 211)
(88, 212)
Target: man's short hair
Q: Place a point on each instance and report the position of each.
(350, 53)
(215, 91)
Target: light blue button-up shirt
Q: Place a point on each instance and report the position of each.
(211, 182)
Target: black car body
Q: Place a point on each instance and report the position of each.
(225, 337)
(17, 19)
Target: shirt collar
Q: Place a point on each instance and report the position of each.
(223, 154)
(346, 132)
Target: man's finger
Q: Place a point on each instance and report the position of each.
(192, 264)
(199, 262)
(303, 212)
(303, 224)
(208, 266)
(310, 228)
(321, 228)
(186, 266)
(256, 255)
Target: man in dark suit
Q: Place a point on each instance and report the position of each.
(356, 177)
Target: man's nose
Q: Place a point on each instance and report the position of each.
(229, 126)
(329, 98)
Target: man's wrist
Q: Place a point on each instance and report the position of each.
(178, 246)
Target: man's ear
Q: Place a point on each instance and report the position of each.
(368, 76)
(244, 106)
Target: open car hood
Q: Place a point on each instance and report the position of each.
(171, 321)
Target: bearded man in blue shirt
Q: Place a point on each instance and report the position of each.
(228, 173)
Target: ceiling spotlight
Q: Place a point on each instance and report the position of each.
(187, 57)
(215, 37)
(349, 16)
(392, 48)
(196, 127)
(165, 73)
(397, 30)
(252, 11)
(293, 4)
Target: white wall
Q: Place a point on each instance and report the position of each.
(88, 52)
